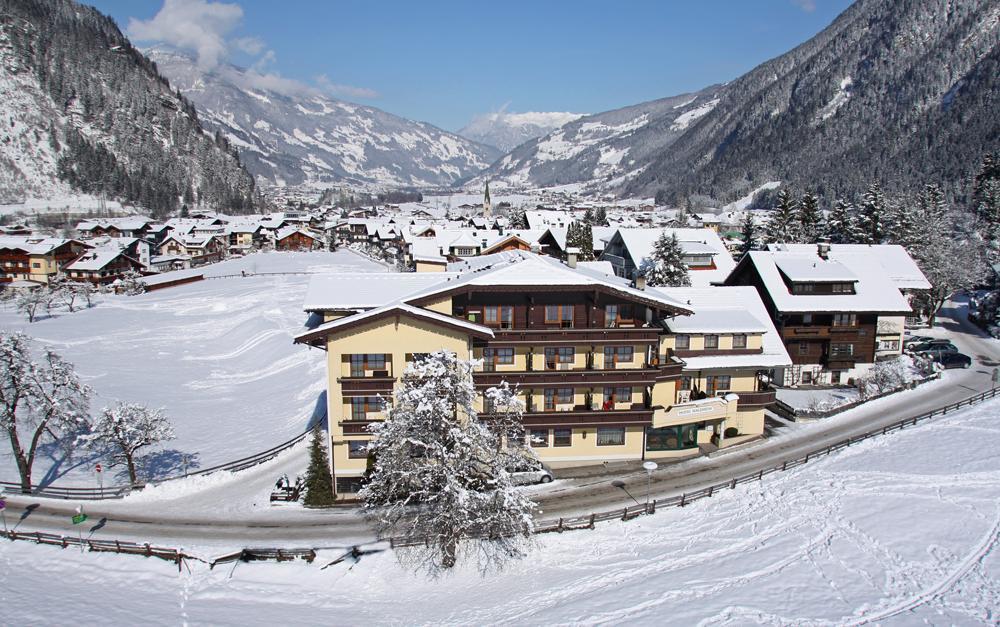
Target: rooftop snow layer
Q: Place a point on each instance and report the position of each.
(813, 269)
(351, 291)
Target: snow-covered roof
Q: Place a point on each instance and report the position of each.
(396, 307)
(874, 291)
(288, 231)
(727, 309)
(639, 243)
(899, 266)
(813, 269)
(33, 245)
(355, 291)
(465, 240)
(97, 258)
(603, 267)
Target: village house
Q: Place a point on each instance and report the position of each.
(706, 257)
(200, 249)
(596, 360)
(296, 238)
(836, 317)
(102, 266)
(38, 259)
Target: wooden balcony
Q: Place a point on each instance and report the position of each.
(578, 377)
(581, 416)
(366, 386)
(755, 400)
(594, 335)
(356, 427)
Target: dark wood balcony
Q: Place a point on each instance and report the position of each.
(579, 377)
(594, 335)
(581, 416)
(366, 386)
(754, 400)
(356, 427)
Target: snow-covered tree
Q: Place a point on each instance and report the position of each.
(517, 218)
(131, 284)
(588, 216)
(504, 415)
(665, 266)
(841, 224)
(30, 301)
(126, 428)
(600, 217)
(63, 291)
(951, 265)
(748, 230)
(809, 218)
(783, 224)
(40, 401)
(439, 474)
(86, 291)
(581, 236)
(872, 219)
(319, 481)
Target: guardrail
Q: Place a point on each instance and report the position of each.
(103, 546)
(117, 492)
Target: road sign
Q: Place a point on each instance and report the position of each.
(79, 518)
(98, 468)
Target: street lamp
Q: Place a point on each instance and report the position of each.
(650, 467)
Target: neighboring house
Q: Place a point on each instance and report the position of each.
(133, 226)
(200, 249)
(295, 238)
(167, 263)
(38, 259)
(705, 255)
(836, 317)
(102, 266)
(244, 237)
(590, 356)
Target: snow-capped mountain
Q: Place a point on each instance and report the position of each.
(900, 92)
(83, 112)
(312, 138)
(507, 131)
(601, 150)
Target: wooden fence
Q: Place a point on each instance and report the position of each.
(103, 546)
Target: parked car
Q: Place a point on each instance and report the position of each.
(531, 475)
(953, 360)
(934, 349)
(916, 339)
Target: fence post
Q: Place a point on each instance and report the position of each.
(711, 490)
(625, 513)
(592, 521)
(654, 507)
(559, 528)
(683, 499)
(732, 485)
(760, 475)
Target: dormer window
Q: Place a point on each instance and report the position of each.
(843, 288)
(803, 288)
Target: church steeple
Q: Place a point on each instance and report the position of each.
(487, 204)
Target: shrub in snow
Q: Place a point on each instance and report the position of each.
(441, 475)
(40, 401)
(130, 284)
(124, 429)
(893, 374)
(665, 266)
(319, 482)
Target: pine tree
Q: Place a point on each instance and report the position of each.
(433, 452)
(809, 218)
(872, 217)
(841, 225)
(600, 217)
(665, 266)
(319, 481)
(783, 225)
(581, 236)
(588, 216)
(749, 233)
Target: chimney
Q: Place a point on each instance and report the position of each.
(571, 254)
(823, 248)
(640, 282)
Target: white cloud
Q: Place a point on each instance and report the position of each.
(806, 5)
(193, 25)
(204, 27)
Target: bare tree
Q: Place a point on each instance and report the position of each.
(125, 429)
(40, 400)
(29, 301)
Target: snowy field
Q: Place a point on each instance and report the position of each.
(216, 354)
(899, 530)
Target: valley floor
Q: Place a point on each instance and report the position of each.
(898, 530)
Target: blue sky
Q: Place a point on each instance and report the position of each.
(445, 62)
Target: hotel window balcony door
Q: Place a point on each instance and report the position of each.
(614, 355)
(493, 357)
(559, 358)
(559, 314)
(499, 316)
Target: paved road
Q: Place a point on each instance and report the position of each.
(173, 526)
